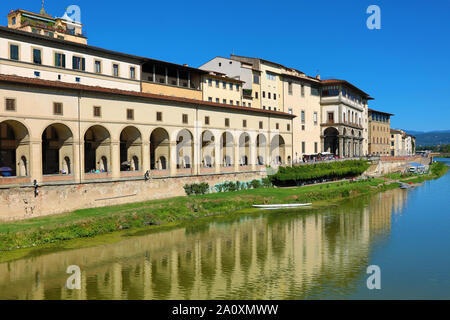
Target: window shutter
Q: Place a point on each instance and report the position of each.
(83, 64)
(63, 58)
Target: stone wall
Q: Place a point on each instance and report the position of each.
(393, 164)
(21, 203)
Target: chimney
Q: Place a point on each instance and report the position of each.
(318, 77)
(185, 64)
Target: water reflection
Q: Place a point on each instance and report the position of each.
(307, 254)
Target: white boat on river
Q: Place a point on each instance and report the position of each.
(281, 206)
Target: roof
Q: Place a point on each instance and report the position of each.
(95, 49)
(345, 82)
(376, 111)
(68, 43)
(267, 61)
(396, 131)
(150, 96)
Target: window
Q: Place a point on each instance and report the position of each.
(277, 126)
(227, 122)
(268, 95)
(37, 56)
(224, 84)
(290, 110)
(274, 96)
(77, 79)
(315, 147)
(256, 79)
(303, 146)
(217, 100)
(303, 127)
(331, 117)
(217, 83)
(184, 118)
(288, 127)
(237, 103)
(244, 123)
(98, 66)
(10, 104)
(224, 101)
(243, 103)
(231, 102)
(260, 124)
(256, 95)
(13, 20)
(302, 116)
(206, 120)
(115, 70)
(130, 114)
(315, 118)
(60, 60)
(14, 52)
(78, 63)
(330, 91)
(57, 108)
(158, 116)
(290, 88)
(270, 76)
(97, 111)
(210, 82)
(303, 90)
(37, 74)
(263, 94)
(249, 104)
(132, 73)
(237, 87)
(210, 99)
(231, 86)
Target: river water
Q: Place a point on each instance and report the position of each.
(306, 254)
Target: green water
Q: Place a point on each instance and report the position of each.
(307, 254)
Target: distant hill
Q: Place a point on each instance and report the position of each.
(432, 138)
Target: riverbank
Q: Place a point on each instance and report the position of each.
(100, 221)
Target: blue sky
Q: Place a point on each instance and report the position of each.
(405, 66)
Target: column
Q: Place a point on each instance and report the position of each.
(115, 159)
(77, 167)
(341, 146)
(145, 156)
(196, 158)
(173, 158)
(36, 160)
(217, 157)
(236, 154)
(322, 144)
(253, 153)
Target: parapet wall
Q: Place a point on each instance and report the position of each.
(21, 203)
(393, 164)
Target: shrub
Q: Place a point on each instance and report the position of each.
(196, 188)
(306, 173)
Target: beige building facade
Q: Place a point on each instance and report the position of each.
(379, 133)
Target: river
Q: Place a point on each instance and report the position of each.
(306, 254)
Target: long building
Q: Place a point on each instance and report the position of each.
(75, 113)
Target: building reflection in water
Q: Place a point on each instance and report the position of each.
(311, 254)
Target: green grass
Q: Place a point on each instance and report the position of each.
(98, 221)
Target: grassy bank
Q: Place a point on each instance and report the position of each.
(98, 221)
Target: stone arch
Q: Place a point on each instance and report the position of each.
(261, 145)
(244, 149)
(277, 149)
(159, 149)
(331, 140)
(130, 149)
(97, 149)
(14, 149)
(57, 149)
(185, 149)
(207, 149)
(227, 149)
